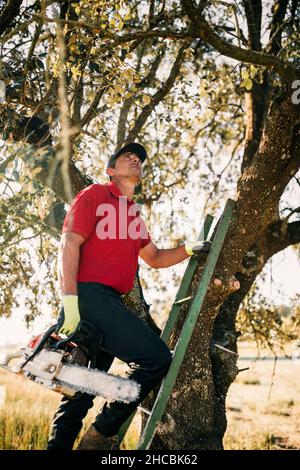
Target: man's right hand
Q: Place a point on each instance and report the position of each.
(71, 315)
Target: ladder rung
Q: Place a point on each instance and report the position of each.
(142, 408)
(183, 300)
(242, 370)
(225, 349)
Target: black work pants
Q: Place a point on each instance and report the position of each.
(126, 337)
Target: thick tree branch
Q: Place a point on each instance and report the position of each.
(153, 69)
(257, 100)
(151, 18)
(122, 38)
(253, 10)
(256, 107)
(123, 117)
(77, 101)
(93, 111)
(280, 235)
(285, 70)
(279, 11)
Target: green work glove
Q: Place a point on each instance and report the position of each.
(71, 315)
(197, 246)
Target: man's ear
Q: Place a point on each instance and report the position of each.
(110, 171)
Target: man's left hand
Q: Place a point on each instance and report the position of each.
(197, 247)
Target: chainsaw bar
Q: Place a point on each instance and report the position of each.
(96, 382)
(51, 369)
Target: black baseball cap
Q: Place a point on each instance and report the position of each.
(133, 147)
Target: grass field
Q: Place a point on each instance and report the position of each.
(260, 415)
(263, 405)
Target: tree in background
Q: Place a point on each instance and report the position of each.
(192, 80)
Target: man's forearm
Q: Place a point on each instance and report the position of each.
(169, 257)
(68, 262)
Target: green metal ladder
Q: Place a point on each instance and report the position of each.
(190, 322)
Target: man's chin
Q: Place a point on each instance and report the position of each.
(136, 177)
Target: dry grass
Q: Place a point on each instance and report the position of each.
(25, 415)
(263, 410)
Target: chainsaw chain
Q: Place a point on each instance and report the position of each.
(77, 388)
(89, 391)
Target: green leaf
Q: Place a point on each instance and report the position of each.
(253, 71)
(248, 84)
(276, 7)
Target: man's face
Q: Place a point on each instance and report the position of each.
(127, 165)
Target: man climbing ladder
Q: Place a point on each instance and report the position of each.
(103, 235)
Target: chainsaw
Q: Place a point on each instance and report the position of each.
(67, 366)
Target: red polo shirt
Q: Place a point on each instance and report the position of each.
(114, 233)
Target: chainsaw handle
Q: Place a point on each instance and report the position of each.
(87, 338)
(40, 345)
